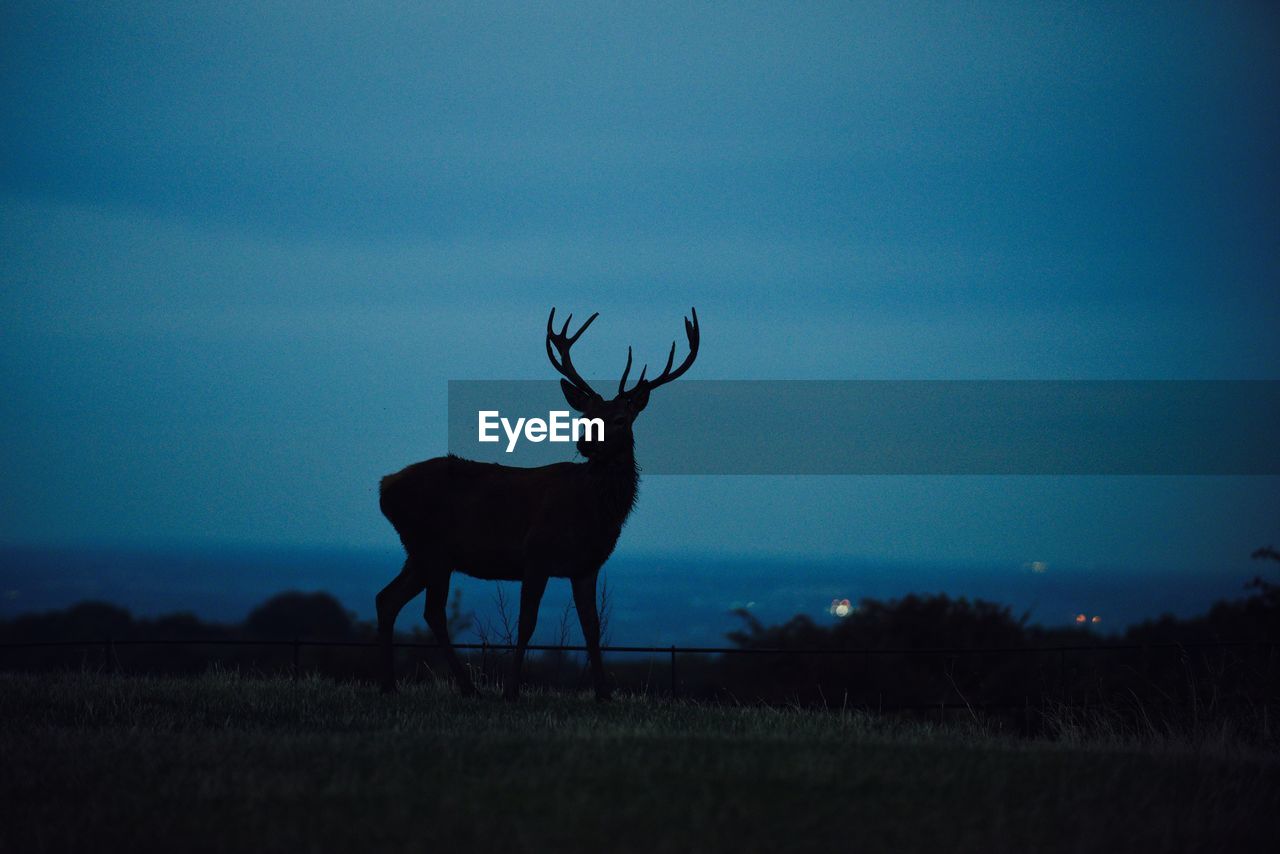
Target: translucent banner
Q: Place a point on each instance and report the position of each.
(811, 427)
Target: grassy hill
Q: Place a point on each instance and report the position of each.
(223, 762)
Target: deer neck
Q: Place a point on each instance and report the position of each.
(614, 482)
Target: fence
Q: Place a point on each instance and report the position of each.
(1264, 650)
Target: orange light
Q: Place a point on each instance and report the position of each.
(1080, 618)
(1095, 620)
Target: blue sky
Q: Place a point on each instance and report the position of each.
(243, 248)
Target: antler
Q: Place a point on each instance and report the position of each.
(667, 375)
(562, 341)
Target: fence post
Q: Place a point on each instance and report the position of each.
(673, 670)
(296, 651)
(1062, 675)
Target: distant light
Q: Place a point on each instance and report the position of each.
(1080, 618)
(840, 608)
(1038, 566)
(1095, 619)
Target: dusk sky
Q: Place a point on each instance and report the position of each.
(243, 248)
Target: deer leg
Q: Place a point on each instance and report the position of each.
(584, 600)
(531, 590)
(389, 601)
(437, 596)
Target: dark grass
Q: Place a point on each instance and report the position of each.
(91, 762)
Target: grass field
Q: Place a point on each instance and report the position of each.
(91, 762)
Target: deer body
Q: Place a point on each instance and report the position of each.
(492, 521)
(505, 523)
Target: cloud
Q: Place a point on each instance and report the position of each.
(243, 246)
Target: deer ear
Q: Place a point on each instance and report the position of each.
(639, 399)
(576, 397)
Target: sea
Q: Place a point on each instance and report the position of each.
(652, 600)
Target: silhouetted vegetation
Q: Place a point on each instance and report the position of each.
(1004, 669)
(922, 653)
(930, 652)
(116, 640)
(297, 615)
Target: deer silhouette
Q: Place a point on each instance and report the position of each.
(504, 523)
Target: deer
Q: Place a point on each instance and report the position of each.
(509, 523)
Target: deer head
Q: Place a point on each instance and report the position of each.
(619, 413)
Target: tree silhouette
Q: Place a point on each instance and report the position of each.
(300, 615)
